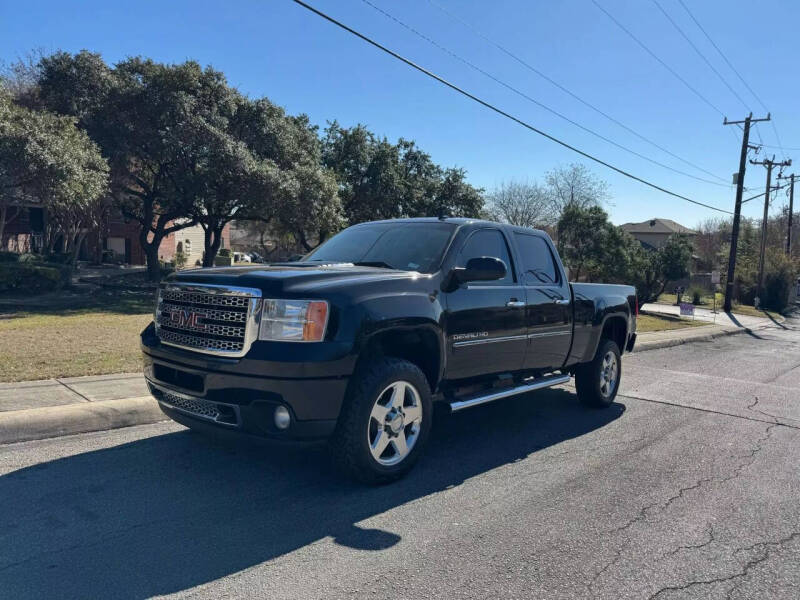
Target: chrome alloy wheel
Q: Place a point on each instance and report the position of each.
(609, 373)
(394, 424)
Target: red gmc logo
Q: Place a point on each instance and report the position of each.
(186, 318)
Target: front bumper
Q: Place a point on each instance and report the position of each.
(223, 399)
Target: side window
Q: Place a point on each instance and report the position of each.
(488, 242)
(538, 266)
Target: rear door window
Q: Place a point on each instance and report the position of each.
(538, 265)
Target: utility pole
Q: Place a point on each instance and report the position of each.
(738, 207)
(770, 164)
(791, 212)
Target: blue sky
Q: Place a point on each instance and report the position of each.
(277, 49)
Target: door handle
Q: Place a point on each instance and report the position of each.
(516, 303)
(561, 302)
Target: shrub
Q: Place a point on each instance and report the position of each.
(696, 293)
(64, 272)
(27, 277)
(61, 258)
(778, 280)
(221, 260)
(29, 257)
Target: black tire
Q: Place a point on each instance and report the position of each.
(594, 388)
(350, 443)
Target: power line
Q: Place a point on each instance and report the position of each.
(700, 54)
(728, 62)
(568, 92)
(781, 147)
(499, 111)
(773, 189)
(722, 54)
(656, 57)
(534, 101)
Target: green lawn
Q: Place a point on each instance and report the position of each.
(68, 335)
(706, 301)
(653, 322)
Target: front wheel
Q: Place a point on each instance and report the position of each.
(597, 381)
(385, 421)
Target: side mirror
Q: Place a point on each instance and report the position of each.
(483, 268)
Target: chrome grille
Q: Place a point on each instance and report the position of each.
(204, 298)
(204, 327)
(212, 319)
(215, 314)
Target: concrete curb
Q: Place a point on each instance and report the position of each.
(644, 346)
(54, 421)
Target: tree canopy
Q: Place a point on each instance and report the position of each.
(381, 180)
(46, 160)
(530, 204)
(184, 147)
(595, 249)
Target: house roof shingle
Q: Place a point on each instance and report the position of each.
(657, 226)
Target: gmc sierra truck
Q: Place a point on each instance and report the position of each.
(356, 341)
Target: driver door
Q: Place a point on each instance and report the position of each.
(485, 320)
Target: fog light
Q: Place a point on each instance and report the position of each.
(282, 417)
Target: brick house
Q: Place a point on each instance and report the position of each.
(25, 234)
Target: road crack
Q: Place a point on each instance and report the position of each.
(775, 419)
(751, 458)
(709, 533)
(766, 548)
(663, 505)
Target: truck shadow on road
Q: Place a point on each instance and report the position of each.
(173, 511)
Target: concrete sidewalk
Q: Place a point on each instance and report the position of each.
(719, 324)
(31, 410)
(720, 318)
(70, 390)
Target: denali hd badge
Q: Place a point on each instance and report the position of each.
(469, 336)
(186, 318)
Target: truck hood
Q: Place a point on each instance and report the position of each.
(292, 278)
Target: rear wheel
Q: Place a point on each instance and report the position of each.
(597, 381)
(385, 421)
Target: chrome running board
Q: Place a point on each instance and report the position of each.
(537, 384)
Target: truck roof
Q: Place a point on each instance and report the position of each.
(455, 220)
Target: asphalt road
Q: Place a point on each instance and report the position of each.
(688, 487)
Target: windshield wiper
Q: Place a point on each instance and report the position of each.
(374, 263)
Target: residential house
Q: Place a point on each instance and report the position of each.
(654, 233)
(121, 236)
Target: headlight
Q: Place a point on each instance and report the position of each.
(293, 320)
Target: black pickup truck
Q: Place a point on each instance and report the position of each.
(355, 341)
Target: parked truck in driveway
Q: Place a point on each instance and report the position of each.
(357, 340)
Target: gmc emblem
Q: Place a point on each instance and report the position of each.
(186, 318)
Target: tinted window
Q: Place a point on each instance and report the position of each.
(487, 242)
(537, 260)
(400, 245)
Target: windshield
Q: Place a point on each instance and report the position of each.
(401, 245)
